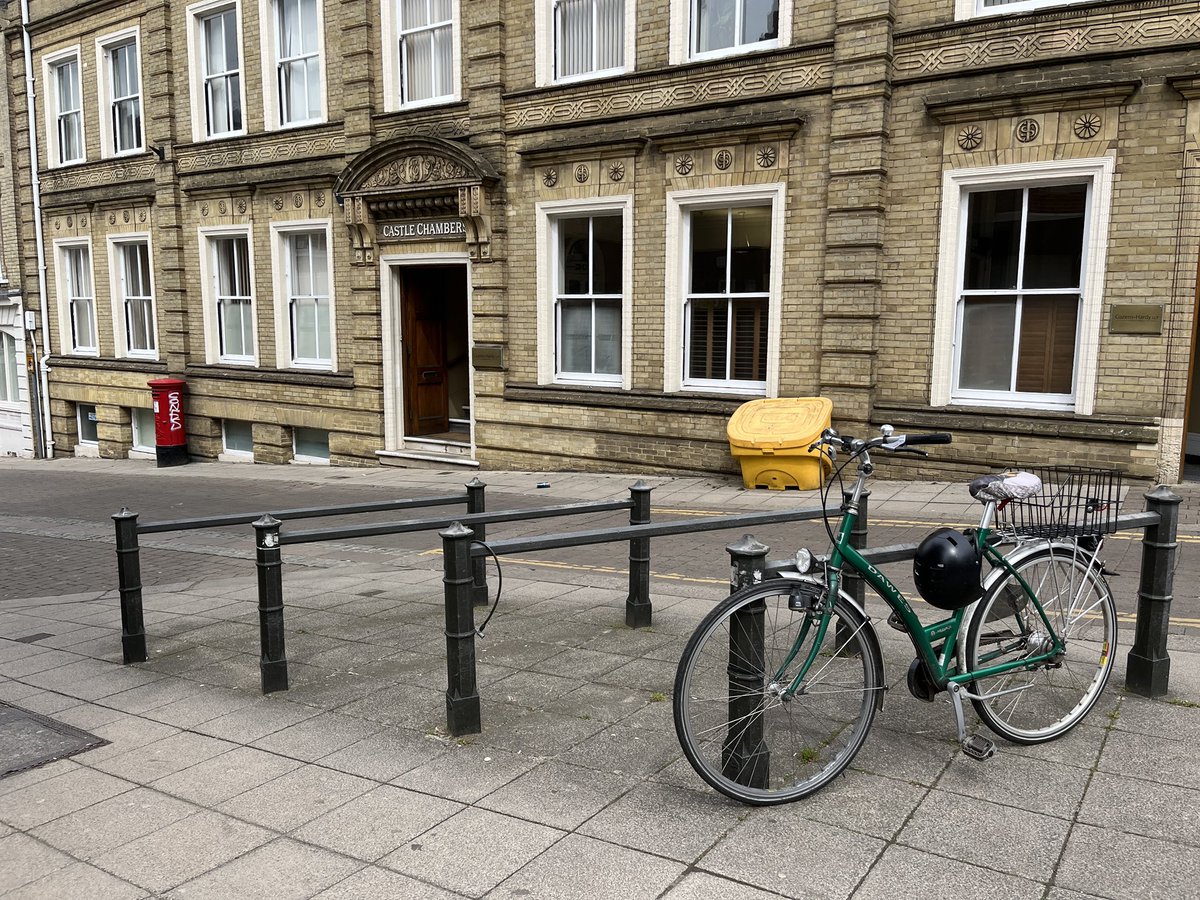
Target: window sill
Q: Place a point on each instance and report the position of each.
(1031, 422)
(274, 376)
(618, 399)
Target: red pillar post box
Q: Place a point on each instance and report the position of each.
(170, 432)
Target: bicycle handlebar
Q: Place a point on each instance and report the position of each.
(938, 438)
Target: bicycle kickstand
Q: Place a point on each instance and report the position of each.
(975, 746)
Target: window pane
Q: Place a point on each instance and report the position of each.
(710, 230)
(239, 436)
(751, 256)
(230, 39)
(418, 59)
(8, 368)
(985, 355)
(750, 340)
(311, 442)
(83, 324)
(320, 264)
(1046, 356)
(716, 24)
(143, 428)
(414, 13)
(575, 336)
(606, 255)
(573, 275)
(87, 423)
(993, 239)
(707, 339)
(608, 337)
(761, 22)
(1054, 236)
(305, 321)
(574, 37)
(610, 36)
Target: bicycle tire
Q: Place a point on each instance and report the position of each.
(1044, 702)
(808, 739)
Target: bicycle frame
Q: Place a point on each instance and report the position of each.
(935, 643)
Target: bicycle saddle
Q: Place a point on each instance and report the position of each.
(1005, 486)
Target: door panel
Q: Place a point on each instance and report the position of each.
(423, 297)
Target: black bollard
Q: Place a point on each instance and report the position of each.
(745, 757)
(851, 581)
(129, 586)
(637, 605)
(273, 663)
(1148, 667)
(462, 695)
(475, 504)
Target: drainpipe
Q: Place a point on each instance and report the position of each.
(39, 237)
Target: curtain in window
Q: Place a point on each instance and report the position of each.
(222, 77)
(70, 124)
(9, 387)
(310, 298)
(299, 61)
(590, 35)
(139, 304)
(426, 49)
(126, 102)
(235, 311)
(79, 289)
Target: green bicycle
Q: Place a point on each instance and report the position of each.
(777, 688)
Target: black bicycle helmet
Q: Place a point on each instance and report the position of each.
(947, 568)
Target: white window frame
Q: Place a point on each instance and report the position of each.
(79, 425)
(392, 94)
(956, 183)
(14, 376)
(682, 34)
(546, 46)
(117, 286)
(547, 247)
(50, 64)
(197, 63)
(300, 458)
(281, 266)
(228, 455)
(678, 260)
(271, 63)
(66, 320)
(141, 450)
(974, 9)
(210, 293)
(108, 99)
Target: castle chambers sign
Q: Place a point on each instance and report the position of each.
(400, 230)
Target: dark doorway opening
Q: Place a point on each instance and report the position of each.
(435, 352)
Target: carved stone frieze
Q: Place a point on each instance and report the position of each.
(263, 153)
(75, 179)
(445, 128)
(417, 169)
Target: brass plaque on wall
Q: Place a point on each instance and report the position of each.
(488, 357)
(1136, 318)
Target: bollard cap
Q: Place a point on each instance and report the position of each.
(125, 514)
(457, 530)
(747, 546)
(267, 521)
(476, 482)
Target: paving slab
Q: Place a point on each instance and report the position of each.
(301, 795)
(375, 883)
(558, 794)
(1114, 864)
(114, 822)
(27, 859)
(257, 875)
(225, 776)
(577, 866)
(906, 872)
(79, 880)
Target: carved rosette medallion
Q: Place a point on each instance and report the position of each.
(320, 199)
(297, 200)
(1087, 126)
(550, 177)
(58, 224)
(723, 159)
(1028, 130)
(970, 137)
(204, 209)
(83, 221)
(112, 218)
(70, 221)
(684, 164)
(277, 203)
(125, 216)
(582, 173)
(766, 156)
(616, 172)
(241, 207)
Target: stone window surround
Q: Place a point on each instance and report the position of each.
(49, 62)
(955, 183)
(208, 275)
(390, 57)
(62, 291)
(282, 281)
(117, 293)
(271, 97)
(104, 45)
(196, 67)
(680, 50)
(679, 203)
(547, 258)
(544, 46)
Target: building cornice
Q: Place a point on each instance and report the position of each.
(950, 109)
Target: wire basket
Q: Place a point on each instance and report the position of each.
(1074, 501)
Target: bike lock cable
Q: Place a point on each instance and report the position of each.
(499, 585)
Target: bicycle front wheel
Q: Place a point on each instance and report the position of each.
(741, 728)
(1045, 700)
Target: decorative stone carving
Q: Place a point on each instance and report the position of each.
(723, 159)
(320, 200)
(550, 177)
(616, 172)
(766, 156)
(420, 169)
(277, 202)
(125, 216)
(112, 218)
(204, 209)
(582, 173)
(1087, 126)
(1028, 130)
(70, 221)
(222, 207)
(684, 164)
(970, 137)
(241, 206)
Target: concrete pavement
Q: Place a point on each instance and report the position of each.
(347, 786)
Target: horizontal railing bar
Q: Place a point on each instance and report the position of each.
(309, 512)
(655, 529)
(486, 518)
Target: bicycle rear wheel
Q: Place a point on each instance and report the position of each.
(739, 729)
(1032, 705)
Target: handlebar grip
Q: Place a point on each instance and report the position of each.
(940, 438)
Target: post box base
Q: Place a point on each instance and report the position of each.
(171, 456)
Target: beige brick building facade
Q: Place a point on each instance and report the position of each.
(560, 234)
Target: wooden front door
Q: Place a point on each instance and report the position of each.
(423, 304)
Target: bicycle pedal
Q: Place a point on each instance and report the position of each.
(896, 622)
(978, 747)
